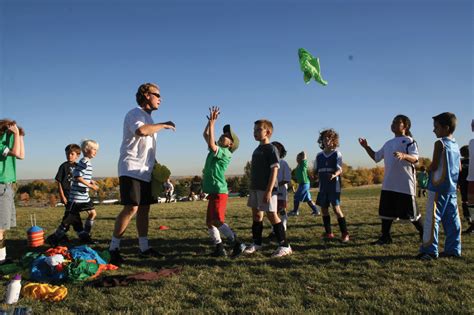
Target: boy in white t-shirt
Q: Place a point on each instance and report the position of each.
(397, 199)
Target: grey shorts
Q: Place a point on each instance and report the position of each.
(7, 207)
(256, 201)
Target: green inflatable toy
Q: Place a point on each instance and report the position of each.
(310, 67)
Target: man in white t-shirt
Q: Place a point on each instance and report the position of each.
(137, 158)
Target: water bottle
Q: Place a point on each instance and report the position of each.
(13, 290)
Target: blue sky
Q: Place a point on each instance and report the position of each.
(70, 70)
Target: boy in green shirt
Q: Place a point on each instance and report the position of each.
(302, 194)
(214, 184)
(11, 148)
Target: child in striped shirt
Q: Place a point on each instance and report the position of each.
(79, 199)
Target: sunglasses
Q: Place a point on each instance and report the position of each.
(156, 94)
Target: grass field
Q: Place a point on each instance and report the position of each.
(329, 277)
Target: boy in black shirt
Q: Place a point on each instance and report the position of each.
(64, 179)
(263, 190)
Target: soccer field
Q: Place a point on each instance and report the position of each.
(320, 276)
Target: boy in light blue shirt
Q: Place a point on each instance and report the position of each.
(442, 196)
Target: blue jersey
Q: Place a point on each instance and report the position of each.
(445, 178)
(80, 192)
(326, 166)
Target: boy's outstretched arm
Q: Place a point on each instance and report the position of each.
(438, 149)
(368, 149)
(213, 114)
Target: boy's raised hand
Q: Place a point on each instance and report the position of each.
(363, 142)
(214, 112)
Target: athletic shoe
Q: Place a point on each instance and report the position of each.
(150, 252)
(115, 258)
(282, 251)
(426, 257)
(327, 236)
(219, 251)
(345, 237)
(252, 249)
(237, 250)
(293, 213)
(316, 212)
(383, 241)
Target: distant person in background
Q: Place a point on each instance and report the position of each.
(463, 185)
(328, 167)
(79, 199)
(302, 194)
(11, 148)
(422, 181)
(214, 183)
(442, 204)
(135, 166)
(397, 198)
(64, 178)
(169, 189)
(195, 189)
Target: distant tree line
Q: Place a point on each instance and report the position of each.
(46, 192)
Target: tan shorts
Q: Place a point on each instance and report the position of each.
(256, 201)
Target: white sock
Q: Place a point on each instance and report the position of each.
(227, 231)
(115, 243)
(143, 243)
(3, 253)
(215, 235)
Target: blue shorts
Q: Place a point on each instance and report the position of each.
(324, 200)
(302, 194)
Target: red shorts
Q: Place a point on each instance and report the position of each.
(216, 207)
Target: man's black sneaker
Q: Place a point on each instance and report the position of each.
(150, 252)
(115, 258)
(237, 250)
(219, 251)
(383, 241)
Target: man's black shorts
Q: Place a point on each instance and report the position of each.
(134, 192)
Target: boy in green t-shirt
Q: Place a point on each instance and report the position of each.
(11, 148)
(214, 184)
(302, 194)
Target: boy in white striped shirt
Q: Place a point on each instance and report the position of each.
(79, 199)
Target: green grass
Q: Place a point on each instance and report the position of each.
(319, 277)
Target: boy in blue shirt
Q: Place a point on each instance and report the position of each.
(328, 166)
(442, 198)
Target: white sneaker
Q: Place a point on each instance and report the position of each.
(282, 251)
(252, 249)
